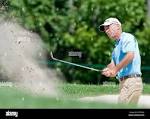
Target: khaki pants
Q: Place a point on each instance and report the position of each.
(130, 90)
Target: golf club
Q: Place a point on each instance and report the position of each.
(74, 64)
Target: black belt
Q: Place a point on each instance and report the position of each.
(130, 76)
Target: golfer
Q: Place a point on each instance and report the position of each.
(126, 61)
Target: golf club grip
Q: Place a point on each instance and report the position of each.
(77, 65)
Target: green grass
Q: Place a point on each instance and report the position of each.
(79, 90)
(14, 98)
(146, 89)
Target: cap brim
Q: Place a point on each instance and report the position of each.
(101, 28)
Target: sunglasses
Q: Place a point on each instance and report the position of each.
(103, 28)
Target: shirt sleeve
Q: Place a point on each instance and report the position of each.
(129, 44)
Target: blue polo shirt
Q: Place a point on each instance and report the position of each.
(127, 42)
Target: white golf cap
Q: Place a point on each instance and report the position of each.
(108, 22)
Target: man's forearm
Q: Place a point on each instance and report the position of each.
(112, 70)
(126, 60)
(111, 65)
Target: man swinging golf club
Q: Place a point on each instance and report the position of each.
(126, 62)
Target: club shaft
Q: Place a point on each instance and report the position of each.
(76, 64)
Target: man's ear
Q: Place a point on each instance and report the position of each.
(118, 27)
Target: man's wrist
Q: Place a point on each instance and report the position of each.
(117, 68)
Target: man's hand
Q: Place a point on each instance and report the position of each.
(113, 72)
(106, 72)
(110, 72)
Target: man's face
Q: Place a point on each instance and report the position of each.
(112, 30)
